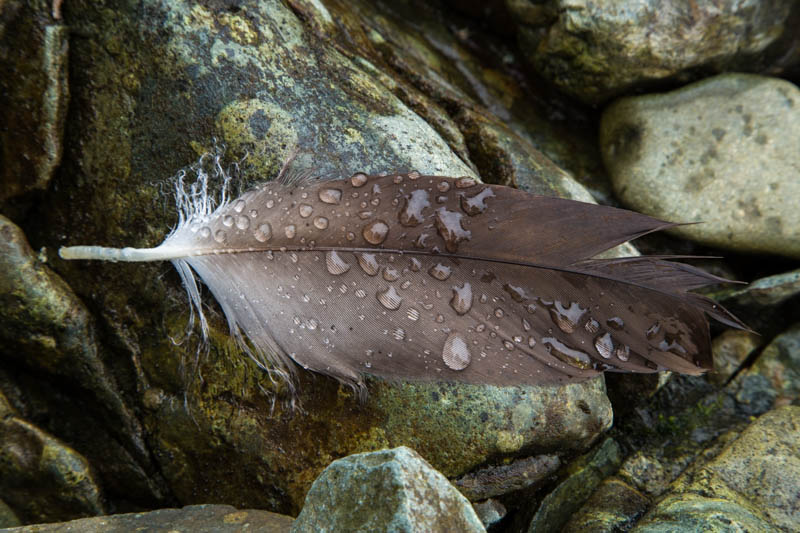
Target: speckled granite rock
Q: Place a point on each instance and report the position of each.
(190, 519)
(601, 48)
(386, 491)
(751, 485)
(723, 151)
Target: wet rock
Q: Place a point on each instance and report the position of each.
(41, 478)
(730, 349)
(490, 511)
(752, 484)
(582, 478)
(389, 490)
(199, 518)
(498, 480)
(613, 507)
(779, 365)
(7, 516)
(33, 96)
(595, 50)
(722, 151)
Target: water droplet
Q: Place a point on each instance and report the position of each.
(320, 222)
(615, 323)
(411, 214)
(397, 179)
(462, 298)
(517, 293)
(413, 175)
(476, 204)
(531, 308)
(509, 345)
(592, 326)
(305, 210)
(653, 330)
(263, 232)
(440, 271)
(360, 293)
(443, 186)
(220, 236)
(455, 353)
(419, 242)
(412, 313)
(604, 345)
(389, 298)
(364, 215)
(480, 328)
(465, 182)
(415, 265)
(335, 264)
(399, 334)
(227, 221)
(483, 299)
(526, 325)
(390, 274)
(350, 236)
(253, 213)
(439, 318)
(290, 231)
(368, 263)
(330, 196)
(566, 318)
(270, 204)
(358, 180)
(623, 352)
(375, 202)
(375, 232)
(293, 256)
(448, 224)
(672, 346)
(242, 222)
(571, 356)
(239, 206)
(531, 342)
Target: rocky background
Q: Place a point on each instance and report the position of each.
(685, 110)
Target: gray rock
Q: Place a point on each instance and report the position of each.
(598, 49)
(498, 480)
(751, 485)
(771, 291)
(490, 511)
(194, 518)
(613, 507)
(724, 152)
(391, 490)
(779, 364)
(582, 478)
(730, 349)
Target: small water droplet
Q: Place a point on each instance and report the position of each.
(320, 222)
(335, 264)
(242, 222)
(462, 298)
(399, 334)
(270, 204)
(531, 342)
(439, 318)
(483, 299)
(531, 308)
(290, 231)
(358, 180)
(465, 182)
(509, 345)
(615, 323)
(526, 325)
(350, 236)
(412, 313)
(455, 353)
(389, 298)
(413, 175)
(517, 293)
(263, 232)
(397, 179)
(623, 352)
(443, 186)
(293, 257)
(227, 221)
(220, 236)
(330, 196)
(653, 330)
(415, 265)
(571, 356)
(368, 263)
(375, 232)
(364, 215)
(480, 328)
(390, 274)
(360, 293)
(440, 271)
(305, 210)
(499, 313)
(592, 326)
(238, 206)
(253, 213)
(604, 345)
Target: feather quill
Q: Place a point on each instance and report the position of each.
(409, 276)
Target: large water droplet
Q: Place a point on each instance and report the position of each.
(615, 323)
(227, 221)
(411, 214)
(220, 236)
(476, 204)
(368, 263)
(571, 356)
(566, 318)
(330, 196)
(320, 222)
(290, 231)
(517, 293)
(455, 353)
(263, 232)
(242, 222)
(623, 352)
(389, 298)
(305, 210)
(462, 298)
(358, 180)
(448, 223)
(414, 265)
(205, 232)
(238, 206)
(604, 345)
(440, 271)
(465, 182)
(375, 232)
(592, 326)
(335, 264)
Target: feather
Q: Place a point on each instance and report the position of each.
(408, 276)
